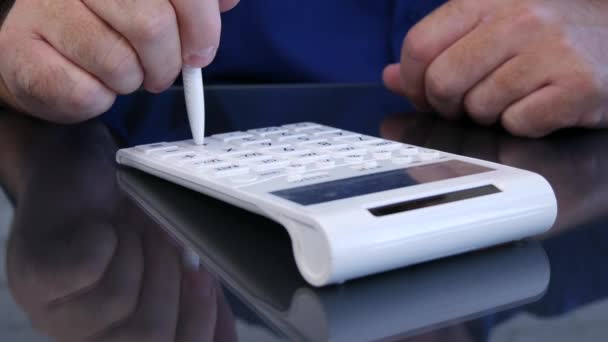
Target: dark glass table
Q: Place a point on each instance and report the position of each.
(101, 252)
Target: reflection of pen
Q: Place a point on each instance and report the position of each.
(195, 102)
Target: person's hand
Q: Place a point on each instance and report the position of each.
(66, 60)
(534, 65)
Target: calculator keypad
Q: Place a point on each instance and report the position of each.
(296, 152)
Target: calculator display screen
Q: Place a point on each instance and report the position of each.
(377, 182)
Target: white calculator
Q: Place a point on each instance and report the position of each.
(355, 204)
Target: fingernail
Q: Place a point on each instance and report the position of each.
(201, 59)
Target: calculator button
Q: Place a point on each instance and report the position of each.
(270, 174)
(249, 157)
(286, 151)
(207, 145)
(269, 164)
(409, 151)
(246, 178)
(354, 158)
(326, 163)
(266, 131)
(306, 139)
(343, 151)
(228, 151)
(363, 140)
(321, 131)
(176, 152)
(402, 159)
(295, 168)
(268, 145)
(228, 170)
(368, 165)
(301, 126)
(147, 149)
(341, 135)
(428, 155)
(250, 141)
(294, 177)
(385, 145)
(326, 145)
(226, 137)
(211, 163)
(382, 154)
(308, 157)
(188, 158)
(304, 177)
(287, 135)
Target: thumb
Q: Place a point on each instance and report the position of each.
(391, 76)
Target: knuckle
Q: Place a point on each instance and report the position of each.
(86, 100)
(121, 66)
(153, 23)
(530, 18)
(476, 105)
(76, 101)
(416, 45)
(513, 123)
(440, 86)
(161, 83)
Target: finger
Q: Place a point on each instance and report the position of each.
(431, 36)
(151, 28)
(198, 307)
(114, 297)
(155, 318)
(515, 79)
(544, 111)
(91, 44)
(391, 76)
(227, 5)
(51, 87)
(199, 27)
(473, 57)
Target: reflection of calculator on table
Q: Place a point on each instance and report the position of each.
(354, 204)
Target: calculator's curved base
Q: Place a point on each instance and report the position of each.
(331, 252)
(311, 250)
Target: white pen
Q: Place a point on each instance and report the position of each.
(195, 102)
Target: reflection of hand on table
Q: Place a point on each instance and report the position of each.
(85, 263)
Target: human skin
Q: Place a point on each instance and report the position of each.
(534, 66)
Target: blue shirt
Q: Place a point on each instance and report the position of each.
(266, 41)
